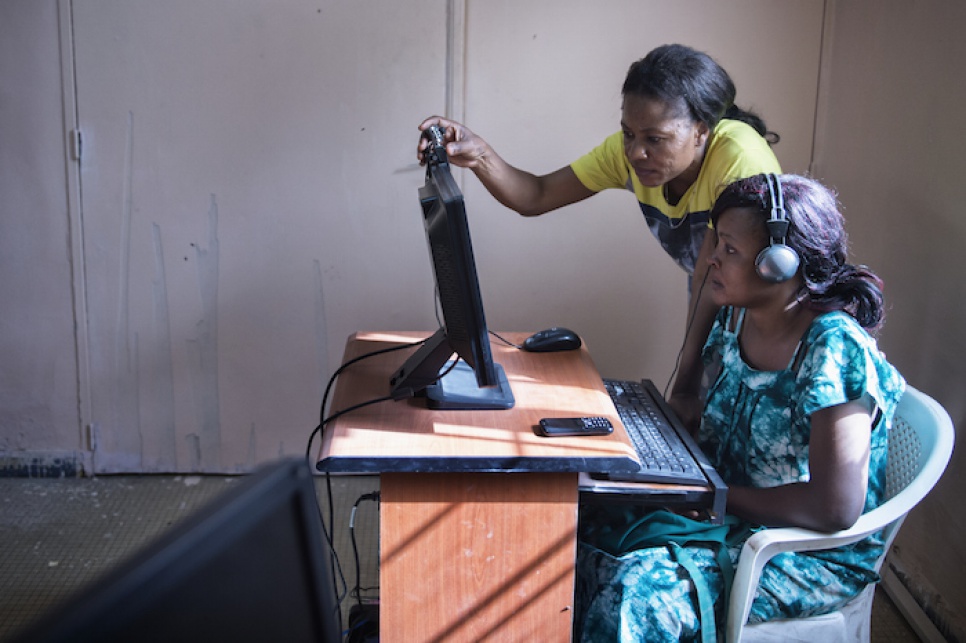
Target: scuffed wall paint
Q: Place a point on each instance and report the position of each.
(158, 411)
(321, 330)
(203, 352)
(125, 398)
(59, 465)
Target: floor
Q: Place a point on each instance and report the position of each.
(58, 535)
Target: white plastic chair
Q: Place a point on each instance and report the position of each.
(920, 444)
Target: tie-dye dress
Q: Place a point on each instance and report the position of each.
(755, 430)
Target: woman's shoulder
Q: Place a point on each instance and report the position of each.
(837, 323)
(845, 358)
(605, 166)
(611, 147)
(737, 139)
(735, 151)
(729, 132)
(722, 330)
(839, 333)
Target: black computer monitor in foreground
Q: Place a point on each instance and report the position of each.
(475, 382)
(251, 566)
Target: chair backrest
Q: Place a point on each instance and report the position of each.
(920, 445)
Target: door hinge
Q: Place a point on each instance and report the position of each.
(75, 144)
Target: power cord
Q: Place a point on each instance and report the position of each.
(506, 341)
(363, 625)
(357, 591)
(328, 389)
(339, 575)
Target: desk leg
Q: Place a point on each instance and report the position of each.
(477, 556)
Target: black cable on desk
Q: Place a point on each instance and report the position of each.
(337, 566)
(328, 389)
(506, 341)
(338, 574)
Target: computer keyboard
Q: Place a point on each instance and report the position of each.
(662, 451)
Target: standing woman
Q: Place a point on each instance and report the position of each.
(796, 423)
(682, 140)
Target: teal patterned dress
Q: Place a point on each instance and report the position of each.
(755, 430)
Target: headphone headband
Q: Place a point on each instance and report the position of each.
(777, 262)
(778, 221)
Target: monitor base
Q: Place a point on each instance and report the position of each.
(458, 390)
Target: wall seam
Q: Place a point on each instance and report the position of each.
(455, 108)
(76, 253)
(821, 85)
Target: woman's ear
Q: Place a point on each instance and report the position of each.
(701, 133)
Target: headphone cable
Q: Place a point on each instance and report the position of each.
(687, 331)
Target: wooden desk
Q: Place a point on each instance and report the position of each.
(478, 515)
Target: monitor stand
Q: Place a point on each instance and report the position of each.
(458, 390)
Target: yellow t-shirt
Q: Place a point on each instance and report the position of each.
(734, 152)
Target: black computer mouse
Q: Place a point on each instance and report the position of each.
(552, 339)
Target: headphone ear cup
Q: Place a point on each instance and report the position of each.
(777, 263)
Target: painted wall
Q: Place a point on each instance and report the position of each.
(248, 201)
(177, 299)
(39, 400)
(246, 198)
(890, 140)
(543, 91)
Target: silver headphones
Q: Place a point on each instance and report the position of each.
(777, 262)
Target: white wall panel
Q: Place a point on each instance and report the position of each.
(249, 200)
(39, 397)
(543, 83)
(890, 141)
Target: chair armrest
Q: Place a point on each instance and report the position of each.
(764, 545)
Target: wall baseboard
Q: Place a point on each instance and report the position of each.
(896, 586)
(47, 464)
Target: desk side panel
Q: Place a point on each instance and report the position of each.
(472, 557)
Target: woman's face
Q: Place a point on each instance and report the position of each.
(740, 235)
(661, 141)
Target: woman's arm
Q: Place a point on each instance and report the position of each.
(834, 497)
(517, 189)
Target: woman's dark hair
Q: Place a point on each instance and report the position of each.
(673, 73)
(816, 232)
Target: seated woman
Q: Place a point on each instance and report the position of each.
(795, 422)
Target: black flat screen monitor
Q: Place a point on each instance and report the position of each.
(476, 381)
(251, 566)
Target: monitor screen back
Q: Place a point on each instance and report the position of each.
(252, 566)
